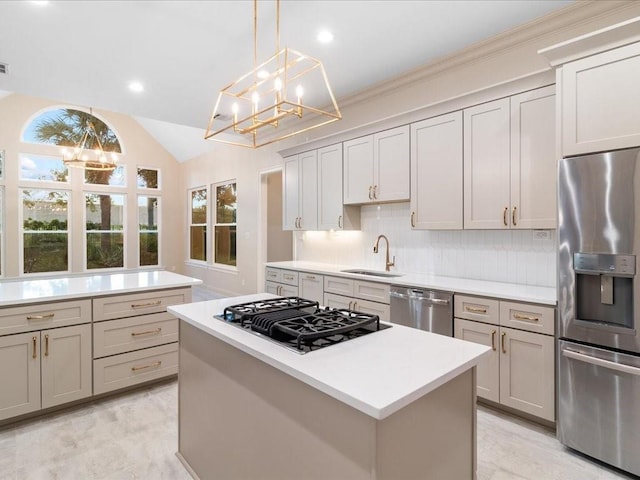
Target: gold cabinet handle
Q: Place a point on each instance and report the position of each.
(375, 192)
(504, 216)
(147, 332)
(299, 222)
(355, 306)
(493, 340)
(145, 305)
(519, 316)
(339, 221)
(35, 353)
(143, 367)
(513, 216)
(502, 336)
(41, 317)
(46, 345)
(475, 309)
(413, 219)
(350, 307)
(370, 187)
(310, 277)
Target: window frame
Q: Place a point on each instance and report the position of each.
(21, 231)
(215, 223)
(206, 224)
(85, 267)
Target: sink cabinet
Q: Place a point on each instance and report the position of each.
(520, 371)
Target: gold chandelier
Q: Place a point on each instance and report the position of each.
(84, 157)
(286, 95)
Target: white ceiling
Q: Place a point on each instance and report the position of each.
(85, 53)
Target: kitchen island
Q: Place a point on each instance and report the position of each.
(395, 404)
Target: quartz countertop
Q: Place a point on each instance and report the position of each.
(377, 374)
(16, 292)
(507, 291)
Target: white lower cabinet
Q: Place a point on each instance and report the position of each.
(361, 296)
(519, 372)
(311, 287)
(283, 283)
(43, 369)
(357, 304)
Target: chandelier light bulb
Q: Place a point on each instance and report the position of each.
(255, 98)
(234, 108)
(277, 84)
(299, 92)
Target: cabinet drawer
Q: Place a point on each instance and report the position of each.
(373, 308)
(44, 315)
(332, 300)
(377, 292)
(534, 318)
(477, 308)
(128, 334)
(119, 371)
(273, 274)
(289, 277)
(341, 286)
(120, 306)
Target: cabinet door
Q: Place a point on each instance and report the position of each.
(308, 194)
(487, 371)
(291, 191)
(19, 374)
(391, 165)
(527, 380)
(600, 98)
(486, 165)
(436, 173)
(330, 188)
(272, 287)
(289, 291)
(358, 170)
(312, 287)
(533, 159)
(372, 308)
(66, 364)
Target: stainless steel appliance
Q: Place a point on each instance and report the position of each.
(599, 319)
(300, 325)
(424, 309)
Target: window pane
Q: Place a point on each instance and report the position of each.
(198, 248)
(105, 250)
(38, 167)
(104, 211)
(199, 206)
(1, 220)
(225, 245)
(45, 252)
(148, 248)
(148, 229)
(147, 178)
(115, 178)
(44, 223)
(226, 203)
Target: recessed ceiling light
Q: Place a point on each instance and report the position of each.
(136, 87)
(325, 36)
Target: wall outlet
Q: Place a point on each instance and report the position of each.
(541, 235)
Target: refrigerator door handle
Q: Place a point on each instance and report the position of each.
(620, 367)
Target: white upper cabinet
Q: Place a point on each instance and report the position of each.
(486, 165)
(376, 167)
(600, 101)
(300, 203)
(510, 162)
(332, 214)
(436, 173)
(533, 159)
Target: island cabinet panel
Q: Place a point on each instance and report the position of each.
(19, 374)
(66, 364)
(231, 403)
(129, 305)
(520, 372)
(600, 99)
(44, 315)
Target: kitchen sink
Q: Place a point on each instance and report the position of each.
(373, 273)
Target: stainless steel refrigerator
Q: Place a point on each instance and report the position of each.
(598, 306)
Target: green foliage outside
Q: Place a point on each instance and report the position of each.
(45, 252)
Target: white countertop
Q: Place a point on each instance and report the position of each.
(15, 292)
(507, 291)
(377, 374)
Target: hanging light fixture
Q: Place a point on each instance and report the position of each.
(89, 158)
(286, 95)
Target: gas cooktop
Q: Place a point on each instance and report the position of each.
(299, 324)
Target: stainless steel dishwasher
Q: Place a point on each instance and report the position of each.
(429, 310)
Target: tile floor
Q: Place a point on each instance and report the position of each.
(134, 436)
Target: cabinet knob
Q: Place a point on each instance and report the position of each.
(35, 353)
(375, 192)
(46, 345)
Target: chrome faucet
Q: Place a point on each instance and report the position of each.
(375, 250)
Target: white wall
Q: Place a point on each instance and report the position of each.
(515, 256)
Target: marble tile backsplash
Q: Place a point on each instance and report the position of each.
(514, 256)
